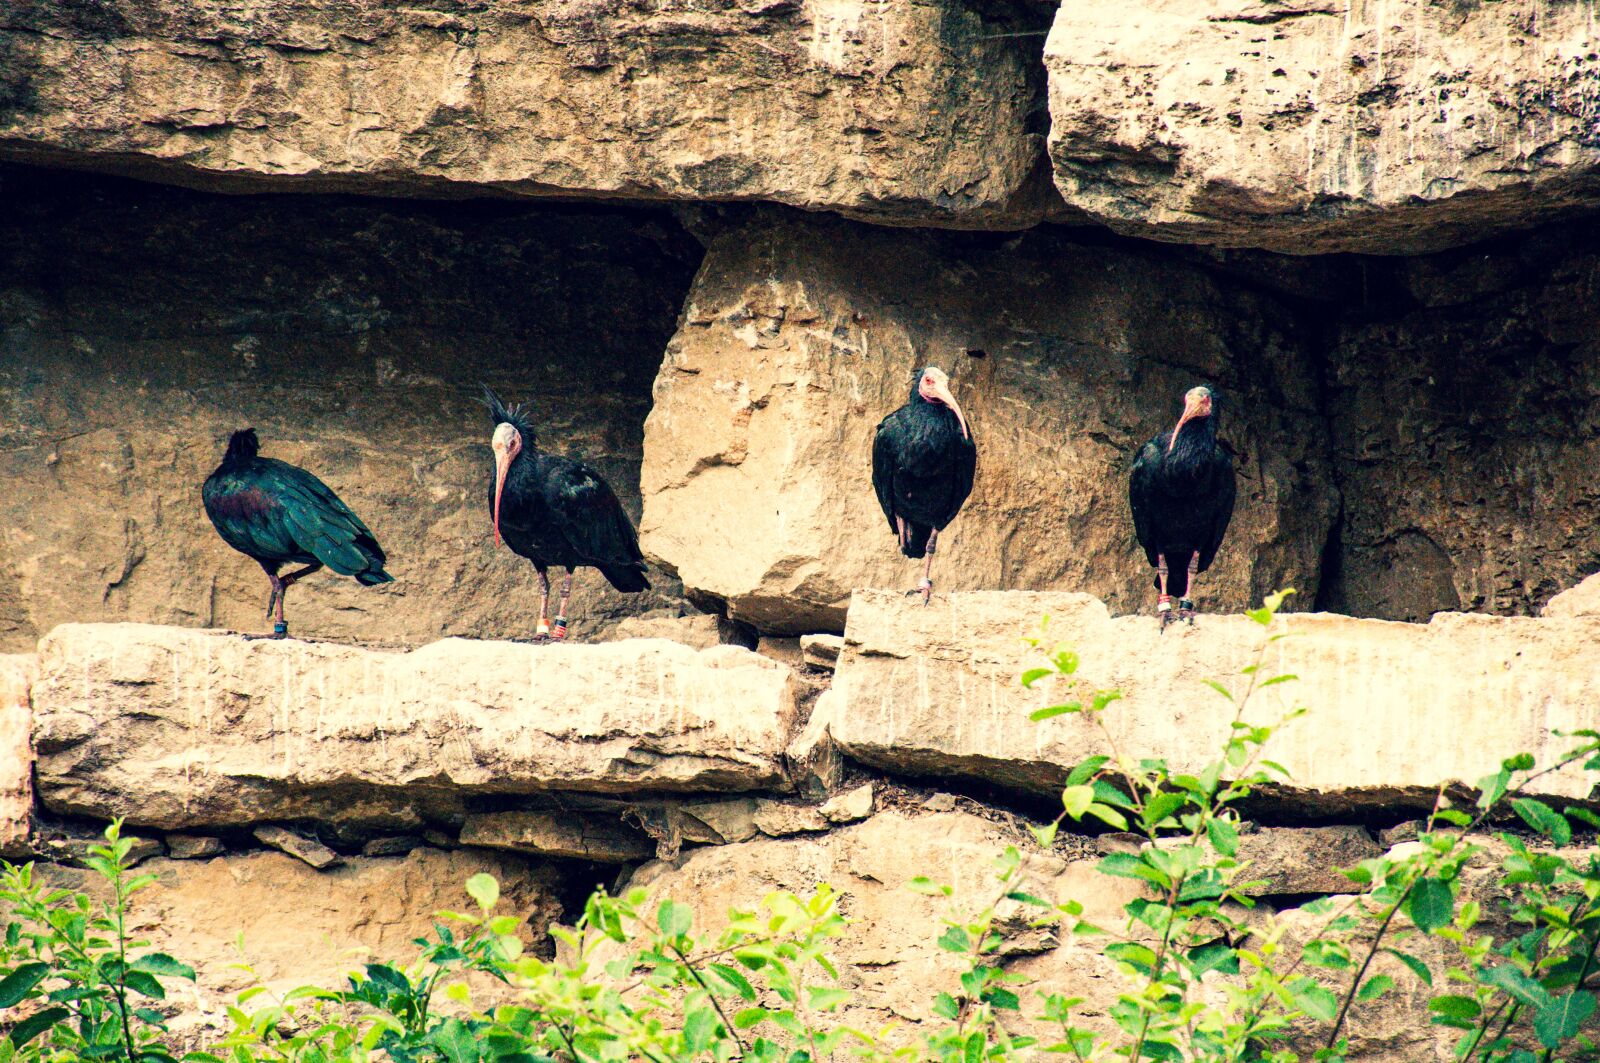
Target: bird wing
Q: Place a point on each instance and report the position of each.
(588, 514)
(315, 519)
(883, 468)
(1222, 511)
(962, 473)
(1142, 500)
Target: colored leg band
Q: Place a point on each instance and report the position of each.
(543, 628)
(280, 627)
(560, 631)
(1184, 603)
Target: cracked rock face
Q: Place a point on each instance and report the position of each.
(935, 691)
(1312, 126)
(800, 334)
(919, 111)
(180, 729)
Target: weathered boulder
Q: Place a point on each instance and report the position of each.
(17, 673)
(179, 728)
(800, 334)
(1463, 399)
(141, 325)
(915, 112)
(1395, 710)
(300, 926)
(1582, 600)
(566, 834)
(890, 957)
(1321, 127)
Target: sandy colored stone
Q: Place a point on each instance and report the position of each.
(307, 850)
(1394, 709)
(917, 112)
(17, 672)
(853, 804)
(814, 761)
(720, 822)
(890, 957)
(139, 326)
(1582, 600)
(300, 926)
(1314, 127)
(566, 834)
(802, 333)
(821, 651)
(193, 846)
(696, 632)
(392, 845)
(180, 728)
(780, 818)
(1291, 860)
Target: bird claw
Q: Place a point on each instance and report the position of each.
(1186, 611)
(924, 588)
(1164, 610)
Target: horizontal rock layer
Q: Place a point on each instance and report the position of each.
(921, 111)
(1395, 710)
(801, 334)
(1343, 125)
(180, 729)
(139, 326)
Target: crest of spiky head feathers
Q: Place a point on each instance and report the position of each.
(518, 416)
(242, 445)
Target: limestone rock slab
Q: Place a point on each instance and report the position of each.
(1395, 709)
(17, 672)
(181, 728)
(569, 835)
(801, 334)
(908, 111)
(1582, 600)
(1335, 125)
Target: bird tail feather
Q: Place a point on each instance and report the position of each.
(373, 576)
(627, 578)
(916, 544)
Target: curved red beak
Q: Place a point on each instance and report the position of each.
(942, 392)
(1195, 404)
(502, 464)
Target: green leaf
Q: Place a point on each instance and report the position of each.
(925, 885)
(1108, 815)
(159, 963)
(1126, 865)
(1313, 999)
(144, 982)
(1054, 710)
(454, 1038)
(1375, 987)
(674, 919)
(1217, 956)
(1085, 771)
(1224, 837)
(699, 1030)
(1454, 1006)
(944, 1006)
(36, 1024)
(739, 983)
(16, 985)
(484, 889)
(825, 998)
(749, 1017)
(1430, 904)
(954, 939)
(1544, 819)
(1077, 799)
(1522, 988)
(1045, 835)
(1033, 675)
(1002, 1000)
(1416, 966)
(1561, 1017)
(1160, 806)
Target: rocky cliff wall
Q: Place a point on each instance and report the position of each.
(140, 325)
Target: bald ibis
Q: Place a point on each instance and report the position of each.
(555, 510)
(923, 460)
(280, 514)
(1181, 492)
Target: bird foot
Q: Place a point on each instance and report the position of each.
(1186, 611)
(279, 631)
(924, 588)
(1164, 610)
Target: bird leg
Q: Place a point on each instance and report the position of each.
(280, 586)
(542, 632)
(926, 586)
(1164, 602)
(560, 631)
(1186, 603)
(904, 531)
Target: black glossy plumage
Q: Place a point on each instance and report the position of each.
(922, 469)
(556, 510)
(280, 514)
(1182, 501)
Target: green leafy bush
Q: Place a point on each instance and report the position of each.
(1508, 964)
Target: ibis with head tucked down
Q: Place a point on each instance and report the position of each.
(280, 514)
(556, 510)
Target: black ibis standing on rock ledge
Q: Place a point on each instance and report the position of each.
(279, 514)
(923, 460)
(555, 510)
(1182, 492)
